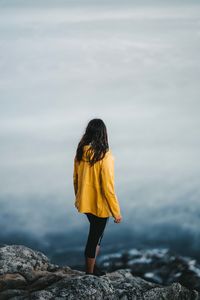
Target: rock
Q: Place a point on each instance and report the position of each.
(23, 260)
(175, 292)
(28, 274)
(12, 281)
(80, 287)
(15, 294)
(156, 265)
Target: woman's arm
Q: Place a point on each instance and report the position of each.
(108, 185)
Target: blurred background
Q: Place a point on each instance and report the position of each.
(135, 64)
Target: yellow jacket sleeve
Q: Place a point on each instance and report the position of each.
(75, 177)
(107, 182)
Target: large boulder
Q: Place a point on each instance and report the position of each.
(28, 274)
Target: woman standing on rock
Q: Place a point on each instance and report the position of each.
(93, 180)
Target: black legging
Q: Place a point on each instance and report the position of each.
(97, 226)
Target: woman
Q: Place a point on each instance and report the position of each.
(93, 180)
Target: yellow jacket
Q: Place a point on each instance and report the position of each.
(94, 186)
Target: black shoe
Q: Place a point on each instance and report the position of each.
(97, 271)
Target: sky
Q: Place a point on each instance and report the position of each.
(133, 64)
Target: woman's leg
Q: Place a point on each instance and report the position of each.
(97, 226)
(99, 242)
(97, 251)
(90, 262)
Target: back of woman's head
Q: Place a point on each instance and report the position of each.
(95, 135)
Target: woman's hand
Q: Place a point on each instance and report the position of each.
(118, 219)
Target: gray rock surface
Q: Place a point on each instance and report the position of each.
(161, 266)
(28, 274)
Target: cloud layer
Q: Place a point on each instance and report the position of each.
(135, 66)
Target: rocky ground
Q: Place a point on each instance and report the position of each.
(156, 265)
(28, 274)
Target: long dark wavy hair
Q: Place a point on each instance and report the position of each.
(95, 135)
